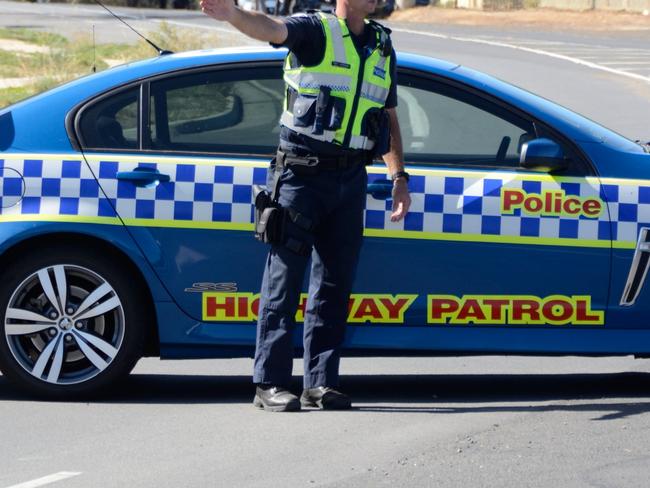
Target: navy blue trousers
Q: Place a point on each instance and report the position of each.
(334, 200)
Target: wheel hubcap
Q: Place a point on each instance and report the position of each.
(64, 324)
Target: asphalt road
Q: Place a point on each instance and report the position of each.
(443, 422)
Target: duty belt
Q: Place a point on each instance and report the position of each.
(325, 163)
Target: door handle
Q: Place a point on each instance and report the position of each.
(143, 176)
(380, 189)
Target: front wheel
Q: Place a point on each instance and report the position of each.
(72, 322)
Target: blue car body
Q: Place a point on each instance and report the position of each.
(492, 274)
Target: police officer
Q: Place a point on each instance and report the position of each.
(339, 112)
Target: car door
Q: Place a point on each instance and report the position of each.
(487, 246)
(177, 157)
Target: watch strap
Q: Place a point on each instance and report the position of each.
(400, 174)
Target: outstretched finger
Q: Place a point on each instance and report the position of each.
(407, 205)
(398, 212)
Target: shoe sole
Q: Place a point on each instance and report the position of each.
(289, 407)
(319, 404)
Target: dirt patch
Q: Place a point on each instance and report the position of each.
(110, 62)
(591, 20)
(15, 82)
(13, 45)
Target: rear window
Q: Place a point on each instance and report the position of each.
(112, 122)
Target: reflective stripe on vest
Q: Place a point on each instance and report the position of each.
(340, 70)
(299, 81)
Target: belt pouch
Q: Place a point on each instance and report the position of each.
(304, 109)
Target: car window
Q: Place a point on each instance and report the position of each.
(222, 111)
(111, 123)
(441, 124)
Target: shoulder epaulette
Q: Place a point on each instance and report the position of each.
(377, 25)
(385, 43)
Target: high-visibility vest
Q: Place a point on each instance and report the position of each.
(358, 88)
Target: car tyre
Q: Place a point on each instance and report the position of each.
(72, 321)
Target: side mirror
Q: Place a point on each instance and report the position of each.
(542, 155)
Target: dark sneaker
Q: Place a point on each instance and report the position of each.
(325, 398)
(276, 399)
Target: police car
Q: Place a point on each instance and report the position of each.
(126, 222)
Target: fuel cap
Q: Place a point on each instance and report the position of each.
(12, 187)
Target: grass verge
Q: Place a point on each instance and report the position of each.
(39, 38)
(69, 59)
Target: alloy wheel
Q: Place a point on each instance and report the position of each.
(64, 324)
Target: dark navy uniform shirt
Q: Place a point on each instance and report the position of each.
(306, 40)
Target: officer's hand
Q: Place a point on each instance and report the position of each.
(401, 200)
(218, 9)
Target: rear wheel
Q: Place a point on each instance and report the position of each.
(72, 322)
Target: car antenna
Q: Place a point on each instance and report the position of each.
(94, 52)
(161, 52)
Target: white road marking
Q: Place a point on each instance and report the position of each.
(46, 480)
(580, 54)
(541, 52)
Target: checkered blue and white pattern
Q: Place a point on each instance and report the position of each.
(197, 193)
(629, 207)
(443, 202)
(62, 187)
(471, 205)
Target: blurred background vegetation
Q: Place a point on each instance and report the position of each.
(187, 4)
(59, 59)
(32, 61)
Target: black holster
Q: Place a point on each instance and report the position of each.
(271, 217)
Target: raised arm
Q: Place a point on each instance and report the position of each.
(254, 24)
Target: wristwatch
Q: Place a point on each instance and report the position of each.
(400, 174)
